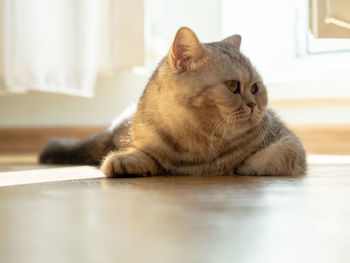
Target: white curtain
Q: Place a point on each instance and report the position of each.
(61, 45)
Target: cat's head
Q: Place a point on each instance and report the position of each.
(215, 77)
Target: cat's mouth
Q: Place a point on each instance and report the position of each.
(250, 118)
(251, 115)
(243, 116)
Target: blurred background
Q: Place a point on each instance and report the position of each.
(68, 67)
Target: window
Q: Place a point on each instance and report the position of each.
(275, 36)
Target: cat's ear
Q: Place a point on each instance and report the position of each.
(186, 50)
(234, 40)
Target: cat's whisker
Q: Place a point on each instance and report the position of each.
(261, 134)
(217, 127)
(224, 133)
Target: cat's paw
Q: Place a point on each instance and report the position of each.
(251, 166)
(244, 169)
(129, 163)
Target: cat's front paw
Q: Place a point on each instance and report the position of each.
(129, 163)
(244, 169)
(251, 166)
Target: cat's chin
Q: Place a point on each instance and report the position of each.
(247, 124)
(254, 121)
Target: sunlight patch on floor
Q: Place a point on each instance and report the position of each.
(49, 175)
(328, 159)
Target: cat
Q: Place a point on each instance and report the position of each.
(203, 112)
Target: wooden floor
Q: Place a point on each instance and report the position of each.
(174, 219)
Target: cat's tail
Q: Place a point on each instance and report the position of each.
(87, 151)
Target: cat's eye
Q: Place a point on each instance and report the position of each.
(233, 85)
(254, 89)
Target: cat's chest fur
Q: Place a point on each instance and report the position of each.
(195, 152)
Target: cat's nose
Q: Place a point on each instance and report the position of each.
(251, 105)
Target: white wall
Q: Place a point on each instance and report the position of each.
(36, 109)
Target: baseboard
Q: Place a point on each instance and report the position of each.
(317, 139)
(33, 139)
(324, 138)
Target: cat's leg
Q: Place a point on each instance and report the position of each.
(284, 157)
(86, 151)
(130, 162)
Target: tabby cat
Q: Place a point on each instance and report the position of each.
(203, 112)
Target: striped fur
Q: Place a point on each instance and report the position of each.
(188, 122)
